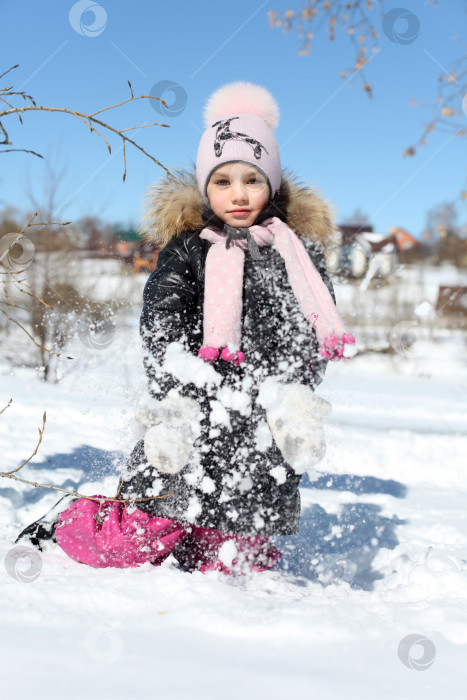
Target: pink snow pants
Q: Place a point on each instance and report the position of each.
(108, 534)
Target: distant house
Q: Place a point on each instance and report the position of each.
(145, 258)
(127, 242)
(364, 253)
(130, 248)
(403, 238)
(126, 246)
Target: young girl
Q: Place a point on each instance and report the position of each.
(238, 324)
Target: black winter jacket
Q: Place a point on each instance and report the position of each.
(229, 482)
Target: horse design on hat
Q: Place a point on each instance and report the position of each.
(224, 134)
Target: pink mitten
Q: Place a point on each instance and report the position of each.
(236, 358)
(208, 354)
(333, 347)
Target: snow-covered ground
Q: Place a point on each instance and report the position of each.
(381, 554)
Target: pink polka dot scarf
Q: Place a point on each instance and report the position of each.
(224, 289)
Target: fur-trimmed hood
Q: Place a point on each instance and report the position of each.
(174, 205)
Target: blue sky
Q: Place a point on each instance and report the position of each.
(331, 134)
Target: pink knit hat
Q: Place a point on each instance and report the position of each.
(240, 118)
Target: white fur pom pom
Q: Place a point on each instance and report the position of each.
(242, 98)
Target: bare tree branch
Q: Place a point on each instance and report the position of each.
(11, 475)
(21, 150)
(9, 69)
(82, 495)
(130, 99)
(41, 432)
(88, 119)
(7, 406)
(355, 20)
(447, 115)
(358, 20)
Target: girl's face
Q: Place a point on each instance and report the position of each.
(237, 193)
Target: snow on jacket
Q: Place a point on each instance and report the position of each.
(231, 481)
